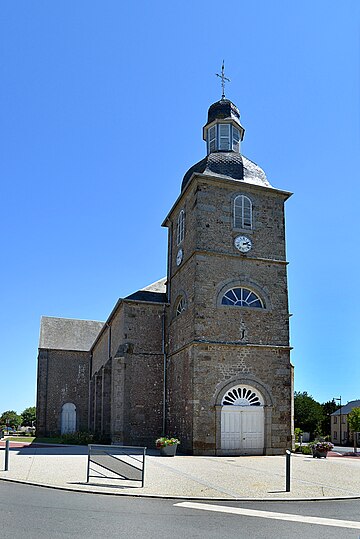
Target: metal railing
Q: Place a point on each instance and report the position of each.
(125, 461)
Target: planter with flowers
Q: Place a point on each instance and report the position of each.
(321, 449)
(167, 446)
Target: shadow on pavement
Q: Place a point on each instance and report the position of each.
(39, 449)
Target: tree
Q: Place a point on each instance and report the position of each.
(308, 413)
(28, 416)
(11, 419)
(329, 408)
(354, 423)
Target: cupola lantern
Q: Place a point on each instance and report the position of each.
(223, 131)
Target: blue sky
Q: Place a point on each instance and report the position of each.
(102, 106)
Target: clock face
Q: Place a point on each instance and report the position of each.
(179, 257)
(243, 244)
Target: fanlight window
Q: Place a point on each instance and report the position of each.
(242, 212)
(181, 306)
(242, 297)
(242, 396)
(180, 227)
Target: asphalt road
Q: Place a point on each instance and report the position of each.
(36, 512)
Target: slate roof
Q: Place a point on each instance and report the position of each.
(230, 165)
(154, 292)
(346, 409)
(68, 333)
(223, 109)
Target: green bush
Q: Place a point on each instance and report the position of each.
(77, 438)
(101, 439)
(306, 449)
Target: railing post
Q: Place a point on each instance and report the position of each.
(7, 448)
(143, 468)
(288, 457)
(88, 464)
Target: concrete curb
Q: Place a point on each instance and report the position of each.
(168, 497)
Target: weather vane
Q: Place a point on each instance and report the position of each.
(223, 79)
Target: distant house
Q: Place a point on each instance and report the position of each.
(339, 424)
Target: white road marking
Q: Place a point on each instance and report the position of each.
(269, 514)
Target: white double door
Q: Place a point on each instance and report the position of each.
(242, 429)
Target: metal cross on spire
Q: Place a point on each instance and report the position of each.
(223, 79)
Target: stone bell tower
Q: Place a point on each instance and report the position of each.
(229, 378)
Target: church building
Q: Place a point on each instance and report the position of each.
(204, 353)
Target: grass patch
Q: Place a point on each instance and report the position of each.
(75, 438)
(33, 439)
(54, 440)
(21, 438)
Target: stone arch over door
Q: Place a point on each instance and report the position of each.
(243, 418)
(68, 418)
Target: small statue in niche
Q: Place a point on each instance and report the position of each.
(242, 331)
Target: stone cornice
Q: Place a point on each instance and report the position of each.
(230, 344)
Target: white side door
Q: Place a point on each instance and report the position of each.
(68, 418)
(242, 428)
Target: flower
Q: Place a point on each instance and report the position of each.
(323, 446)
(165, 440)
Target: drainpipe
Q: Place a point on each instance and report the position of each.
(103, 379)
(164, 370)
(90, 401)
(109, 340)
(168, 293)
(169, 268)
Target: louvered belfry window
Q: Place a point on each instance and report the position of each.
(180, 227)
(212, 139)
(242, 212)
(224, 136)
(235, 139)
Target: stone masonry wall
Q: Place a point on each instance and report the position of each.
(228, 343)
(269, 370)
(143, 372)
(64, 377)
(180, 399)
(216, 322)
(128, 393)
(100, 352)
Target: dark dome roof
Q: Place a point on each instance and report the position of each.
(223, 109)
(230, 165)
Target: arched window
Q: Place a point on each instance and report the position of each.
(242, 212)
(180, 227)
(242, 297)
(181, 306)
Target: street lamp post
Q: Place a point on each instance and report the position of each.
(339, 399)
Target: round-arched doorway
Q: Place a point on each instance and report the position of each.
(242, 420)
(68, 418)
